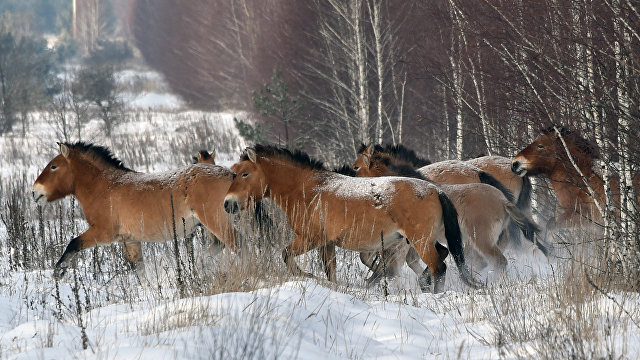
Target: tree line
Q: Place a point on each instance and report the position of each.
(449, 78)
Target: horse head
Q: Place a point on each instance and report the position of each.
(56, 180)
(248, 182)
(204, 157)
(542, 156)
(364, 158)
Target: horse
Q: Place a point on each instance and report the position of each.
(326, 209)
(491, 170)
(484, 212)
(204, 157)
(261, 219)
(546, 156)
(123, 205)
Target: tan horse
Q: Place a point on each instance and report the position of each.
(261, 221)
(326, 209)
(123, 205)
(491, 170)
(484, 212)
(546, 156)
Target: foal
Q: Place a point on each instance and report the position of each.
(123, 205)
(326, 209)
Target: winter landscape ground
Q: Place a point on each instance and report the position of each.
(250, 308)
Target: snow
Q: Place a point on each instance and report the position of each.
(380, 189)
(155, 101)
(294, 318)
(433, 171)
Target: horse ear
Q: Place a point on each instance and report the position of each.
(251, 154)
(64, 149)
(366, 159)
(199, 158)
(369, 151)
(194, 159)
(213, 155)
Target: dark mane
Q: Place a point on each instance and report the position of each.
(398, 152)
(100, 153)
(297, 157)
(584, 146)
(345, 170)
(403, 153)
(376, 148)
(405, 170)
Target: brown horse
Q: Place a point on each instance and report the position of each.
(123, 205)
(261, 223)
(546, 156)
(326, 209)
(484, 212)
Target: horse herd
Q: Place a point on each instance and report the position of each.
(390, 205)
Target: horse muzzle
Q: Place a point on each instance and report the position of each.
(518, 168)
(231, 206)
(38, 194)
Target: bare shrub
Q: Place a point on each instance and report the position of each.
(562, 317)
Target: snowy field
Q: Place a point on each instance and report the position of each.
(225, 308)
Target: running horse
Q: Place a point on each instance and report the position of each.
(490, 170)
(484, 211)
(122, 205)
(326, 209)
(546, 156)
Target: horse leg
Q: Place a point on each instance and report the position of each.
(430, 254)
(220, 231)
(90, 238)
(299, 246)
(424, 275)
(328, 256)
(216, 246)
(413, 260)
(133, 252)
(435, 265)
(490, 251)
(389, 264)
(369, 258)
(474, 257)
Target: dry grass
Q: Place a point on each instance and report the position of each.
(582, 311)
(563, 316)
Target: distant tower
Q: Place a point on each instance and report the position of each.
(88, 23)
(74, 21)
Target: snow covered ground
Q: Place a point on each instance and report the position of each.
(538, 309)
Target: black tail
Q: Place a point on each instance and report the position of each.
(527, 225)
(488, 179)
(454, 238)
